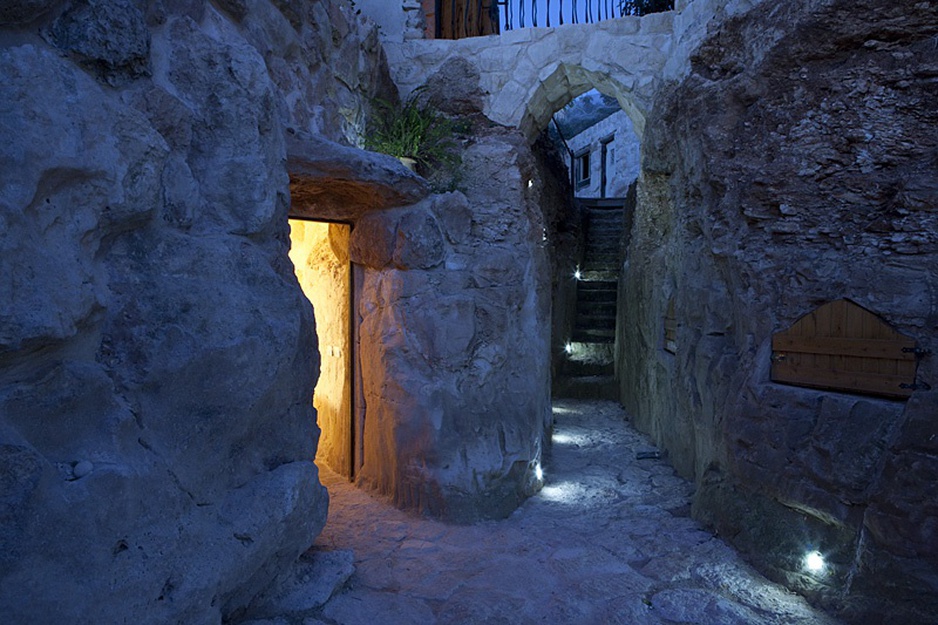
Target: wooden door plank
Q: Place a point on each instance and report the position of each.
(840, 380)
(862, 348)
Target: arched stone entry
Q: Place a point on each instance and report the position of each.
(525, 73)
(528, 74)
(453, 319)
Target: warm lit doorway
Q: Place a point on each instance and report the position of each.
(320, 255)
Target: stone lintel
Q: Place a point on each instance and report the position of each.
(333, 182)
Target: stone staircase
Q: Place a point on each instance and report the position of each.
(588, 371)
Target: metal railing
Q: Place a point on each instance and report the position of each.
(523, 13)
(456, 19)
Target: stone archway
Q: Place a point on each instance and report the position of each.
(567, 82)
(525, 73)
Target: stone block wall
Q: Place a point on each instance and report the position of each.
(795, 166)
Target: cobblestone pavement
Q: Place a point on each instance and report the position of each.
(607, 541)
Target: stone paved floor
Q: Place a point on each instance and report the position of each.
(607, 541)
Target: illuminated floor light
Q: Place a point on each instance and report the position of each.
(814, 562)
(562, 438)
(565, 493)
(539, 472)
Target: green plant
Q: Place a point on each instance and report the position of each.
(414, 130)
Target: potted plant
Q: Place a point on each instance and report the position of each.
(413, 131)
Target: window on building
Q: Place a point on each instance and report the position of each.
(581, 169)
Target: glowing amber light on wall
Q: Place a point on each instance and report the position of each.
(319, 252)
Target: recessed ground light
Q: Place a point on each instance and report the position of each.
(539, 472)
(814, 561)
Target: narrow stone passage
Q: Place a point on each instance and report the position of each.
(607, 541)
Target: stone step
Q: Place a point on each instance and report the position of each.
(604, 335)
(604, 231)
(591, 323)
(600, 310)
(605, 220)
(597, 285)
(595, 307)
(600, 271)
(580, 368)
(604, 243)
(587, 387)
(602, 203)
(610, 219)
(610, 247)
(597, 295)
(604, 273)
(601, 259)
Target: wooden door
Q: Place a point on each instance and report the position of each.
(842, 346)
(466, 18)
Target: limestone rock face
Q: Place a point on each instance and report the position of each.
(788, 170)
(156, 354)
(324, 59)
(455, 310)
(110, 37)
(24, 11)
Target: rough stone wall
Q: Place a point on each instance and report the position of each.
(324, 59)
(794, 166)
(455, 355)
(156, 354)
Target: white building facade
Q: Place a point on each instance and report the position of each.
(605, 158)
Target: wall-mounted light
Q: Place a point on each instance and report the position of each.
(814, 562)
(577, 274)
(530, 183)
(568, 348)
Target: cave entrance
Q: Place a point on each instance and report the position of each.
(320, 254)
